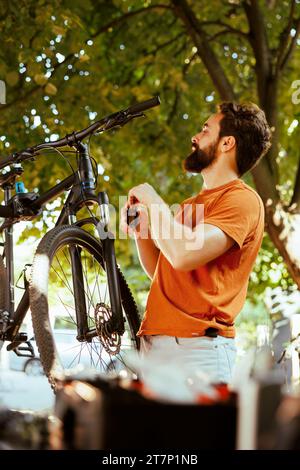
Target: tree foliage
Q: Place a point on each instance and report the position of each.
(67, 63)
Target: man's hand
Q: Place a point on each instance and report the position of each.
(139, 225)
(144, 194)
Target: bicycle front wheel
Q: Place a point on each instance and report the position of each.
(68, 310)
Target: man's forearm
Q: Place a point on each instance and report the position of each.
(172, 237)
(148, 254)
(185, 248)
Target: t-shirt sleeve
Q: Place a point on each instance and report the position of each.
(237, 214)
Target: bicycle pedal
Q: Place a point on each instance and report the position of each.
(19, 339)
(24, 351)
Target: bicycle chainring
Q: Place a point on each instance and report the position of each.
(110, 341)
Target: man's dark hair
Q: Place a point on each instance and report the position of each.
(248, 124)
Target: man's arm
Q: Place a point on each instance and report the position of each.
(148, 253)
(187, 249)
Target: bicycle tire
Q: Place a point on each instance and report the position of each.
(52, 242)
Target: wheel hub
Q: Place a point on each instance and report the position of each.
(110, 341)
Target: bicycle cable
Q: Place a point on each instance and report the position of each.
(60, 153)
(75, 152)
(95, 168)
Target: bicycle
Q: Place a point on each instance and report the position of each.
(100, 317)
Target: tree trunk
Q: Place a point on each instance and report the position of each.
(285, 240)
(278, 220)
(265, 175)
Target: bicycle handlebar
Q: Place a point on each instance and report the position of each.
(109, 122)
(143, 106)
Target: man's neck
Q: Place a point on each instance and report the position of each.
(213, 179)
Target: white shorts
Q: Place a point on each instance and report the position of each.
(213, 356)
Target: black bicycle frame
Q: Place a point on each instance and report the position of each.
(81, 192)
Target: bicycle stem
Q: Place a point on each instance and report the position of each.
(86, 172)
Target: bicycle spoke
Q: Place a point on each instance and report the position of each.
(62, 280)
(67, 283)
(67, 258)
(68, 321)
(88, 287)
(99, 355)
(94, 286)
(97, 284)
(70, 364)
(90, 347)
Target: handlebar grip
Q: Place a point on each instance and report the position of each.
(140, 107)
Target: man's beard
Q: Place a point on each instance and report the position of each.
(200, 159)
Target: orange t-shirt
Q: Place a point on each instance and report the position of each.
(185, 303)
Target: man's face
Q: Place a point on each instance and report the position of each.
(204, 146)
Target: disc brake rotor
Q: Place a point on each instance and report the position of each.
(110, 341)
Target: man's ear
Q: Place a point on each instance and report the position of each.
(228, 143)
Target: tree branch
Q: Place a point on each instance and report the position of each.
(227, 26)
(35, 35)
(145, 72)
(292, 46)
(224, 31)
(180, 49)
(177, 91)
(284, 37)
(117, 21)
(187, 66)
(259, 42)
(294, 206)
(174, 106)
(165, 44)
(264, 179)
(205, 52)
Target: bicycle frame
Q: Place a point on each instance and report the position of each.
(17, 316)
(80, 193)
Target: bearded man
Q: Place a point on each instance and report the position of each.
(200, 272)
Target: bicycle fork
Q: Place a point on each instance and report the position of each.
(115, 324)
